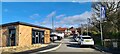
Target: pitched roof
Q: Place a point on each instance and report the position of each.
(61, 29)
(23, 23)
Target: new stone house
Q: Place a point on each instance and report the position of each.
(23, 34)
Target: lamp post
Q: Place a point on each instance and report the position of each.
(81, 29)
(101, 31)
(102, 15)
(87, 28)
(52, 23)
(88, 21)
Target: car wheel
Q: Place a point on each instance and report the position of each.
(80, 44)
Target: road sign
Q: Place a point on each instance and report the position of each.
(102, 12)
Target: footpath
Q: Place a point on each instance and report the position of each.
(108, 50)
(50, 47)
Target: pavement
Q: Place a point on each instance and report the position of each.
(109, 50)
(50, 46)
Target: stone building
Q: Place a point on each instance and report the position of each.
(23, 34)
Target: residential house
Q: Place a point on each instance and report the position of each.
(73, 31)
(66, 31)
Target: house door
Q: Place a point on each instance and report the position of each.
(12, 37)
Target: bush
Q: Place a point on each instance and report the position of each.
(111, 35)
(97, 39)
(85, 33)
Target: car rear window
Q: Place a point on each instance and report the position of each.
(86, 37)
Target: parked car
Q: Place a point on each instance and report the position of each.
(86, 40)
(60, 34)
(53, 37)
(59, 38)
(76, 37)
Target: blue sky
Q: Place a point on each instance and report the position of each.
(65, 14)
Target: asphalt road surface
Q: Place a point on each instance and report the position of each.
(69, 45)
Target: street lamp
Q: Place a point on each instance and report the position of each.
(88, 21)
(81, 29)
(102, 15)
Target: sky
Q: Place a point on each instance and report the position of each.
(48, 0)
(64, 14)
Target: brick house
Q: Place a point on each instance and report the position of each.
(23, 34)
(66, 31)
(61, 29)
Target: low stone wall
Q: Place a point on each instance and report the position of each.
(110, 43)
(22, 48)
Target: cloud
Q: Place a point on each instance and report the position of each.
(66, 21)
(44, 22)
(76, 19)
(73, 21)
(34, 16)
(51, 14)
(48, 18)
(60, 16)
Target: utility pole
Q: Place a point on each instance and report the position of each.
(81, 29)
(52, 23)
(102, 15)
(101, 31)
(87, 28)
(88, 19)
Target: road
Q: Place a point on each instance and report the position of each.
(68, 45)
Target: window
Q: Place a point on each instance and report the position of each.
(86, 37)
(37, 36)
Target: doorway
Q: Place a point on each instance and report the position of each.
(12, 37)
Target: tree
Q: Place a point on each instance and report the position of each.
(112, 15)
(110, 24)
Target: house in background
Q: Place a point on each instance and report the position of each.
(61, 29)
(73, 31)
(23, 34)
(66, 31)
